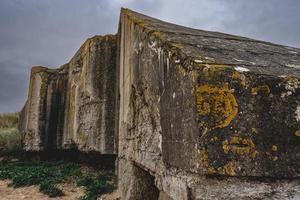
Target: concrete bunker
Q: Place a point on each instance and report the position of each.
(178, 107)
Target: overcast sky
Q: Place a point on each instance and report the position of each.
(48, 32)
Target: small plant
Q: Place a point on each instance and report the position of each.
(95, 186)
(50, 189)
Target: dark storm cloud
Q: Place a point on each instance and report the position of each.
(35, 32)
(48, 32)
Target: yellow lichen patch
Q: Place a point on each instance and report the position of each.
(239, 146)
(210, 70)
(297, 133)
(271, 156)
(177, 45)
(211, 170)
(38, 69)
(239, 76)
(254, 130)
(71, 115)
(159, 34)
(248, 142)
(274, 148)
(230, 168)
(235, 140)
(203, 154)
(261, 89)
(205, 108)
(241, 151)
(254, 154)
(218, 103)
(140, 21)
(275, 158)
(225, 146)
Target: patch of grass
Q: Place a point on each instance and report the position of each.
(10, 140)
(9, 120)
(48, 174)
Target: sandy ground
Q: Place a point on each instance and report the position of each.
(112, 196)
(8, 193)
(32, 193)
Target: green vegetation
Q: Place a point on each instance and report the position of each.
(95, 186)
(9, 120)
(49, 174)
(47, 187)
(10, 138)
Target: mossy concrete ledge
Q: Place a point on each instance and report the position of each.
(191, 114)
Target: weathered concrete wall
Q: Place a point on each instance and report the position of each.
(40, 114)
(74, 107)
(195, 105)
(90, 113)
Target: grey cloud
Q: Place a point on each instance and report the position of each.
(48, 32)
